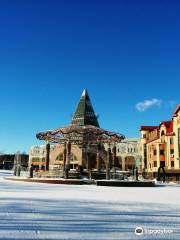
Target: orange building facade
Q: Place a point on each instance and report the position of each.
(160, 146)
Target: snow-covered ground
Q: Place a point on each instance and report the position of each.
(46, 211)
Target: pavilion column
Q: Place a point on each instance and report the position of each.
(108, 164)
(86, 158)
(64, 156)
(88, 162)
(68, 158)
(114, 156)
(123, 163)
(47, 156)
(98, 160)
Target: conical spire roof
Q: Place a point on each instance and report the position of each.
(84, 114)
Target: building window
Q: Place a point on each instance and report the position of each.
(155, 152)
(155, 163)
(60, 157)
(36, 159)
(162, 133)
(145, 155)
(144, 135)
(171, 140)
(162, 152)
(172, 151)
(172, 164)
(162, 163)
(163, 136)
(179, 140)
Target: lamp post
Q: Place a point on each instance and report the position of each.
(47, 155)
(17, 164)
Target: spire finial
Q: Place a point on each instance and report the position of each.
(84, 93)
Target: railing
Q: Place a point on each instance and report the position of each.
(49, 174)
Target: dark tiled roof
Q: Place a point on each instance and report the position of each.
(84, 114)
(148, 128)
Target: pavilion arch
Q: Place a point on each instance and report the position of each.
(103, 156)
(57, 156)
(119, 162)
(130, 162)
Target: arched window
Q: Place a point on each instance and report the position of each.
(162, 133)
(59, 157)
(162, 136)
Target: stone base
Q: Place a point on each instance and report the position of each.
(112, 183)
(52, 181)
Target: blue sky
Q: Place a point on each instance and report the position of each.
(124, 52)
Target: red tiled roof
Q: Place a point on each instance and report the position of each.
(169, 127)
(176, 111)
(167, 124)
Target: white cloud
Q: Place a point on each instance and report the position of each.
(143, 106)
